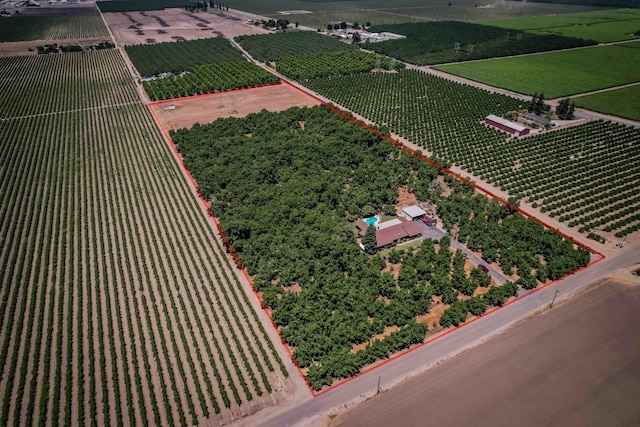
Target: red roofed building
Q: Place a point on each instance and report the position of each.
(390, 232)
(506, 125)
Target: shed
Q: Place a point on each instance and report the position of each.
(414, 213)
(506, 125)
(539, 120)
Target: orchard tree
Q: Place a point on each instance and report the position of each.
(370, 241)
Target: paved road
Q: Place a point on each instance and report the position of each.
(469, 336)
(575, 365)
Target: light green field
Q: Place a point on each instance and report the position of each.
(602, 26)
(557, 73)
(623, 102)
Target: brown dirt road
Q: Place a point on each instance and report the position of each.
(578, 364)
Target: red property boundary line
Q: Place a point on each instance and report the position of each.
(363, 125)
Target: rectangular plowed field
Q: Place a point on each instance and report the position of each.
(184, 113)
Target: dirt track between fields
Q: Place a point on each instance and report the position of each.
(583, 373)
(206, 109)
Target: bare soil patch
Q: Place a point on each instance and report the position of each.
(405, 198)
(174, 24)
(387, 331)
(206, 109)
(433, 316)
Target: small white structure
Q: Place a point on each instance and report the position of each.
(414, 213)
(392, 36)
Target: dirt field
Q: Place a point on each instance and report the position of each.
(174, 24)
(208, 108)
(577, 364)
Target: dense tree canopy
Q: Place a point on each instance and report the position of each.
(286, 188)
(452, 41)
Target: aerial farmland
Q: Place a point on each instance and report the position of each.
(221, 216)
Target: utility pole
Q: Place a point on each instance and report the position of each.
(554, 298)
(378, 390)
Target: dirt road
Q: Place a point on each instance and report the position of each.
(578, 364)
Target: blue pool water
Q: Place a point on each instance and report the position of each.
(371, 221)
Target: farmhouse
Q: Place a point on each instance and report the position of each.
(414, 213)
(390, 232)
(506, 125)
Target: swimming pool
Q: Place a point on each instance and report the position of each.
(371, 221)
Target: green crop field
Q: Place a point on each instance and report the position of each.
(52, 27)
(623, 102)
(557, 74)
(602, 26)
(319, 13)
(118, 304)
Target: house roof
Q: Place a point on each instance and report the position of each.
(389, 235)
(414, 211)
(362, 226)
(402, 229)
(504, 122)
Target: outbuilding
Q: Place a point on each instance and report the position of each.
(414, 213)
(506, 125)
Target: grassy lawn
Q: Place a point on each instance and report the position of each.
(602, 26)
(557, 73)
(408, 247)
(623, 102)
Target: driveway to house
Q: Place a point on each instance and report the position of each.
(431, 232)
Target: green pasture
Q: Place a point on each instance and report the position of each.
(624, 102)
(603, 25)
(557, 74)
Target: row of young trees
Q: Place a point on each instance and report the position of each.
(153, 281)
(177, 57)
(334, 63)
(273, 47)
